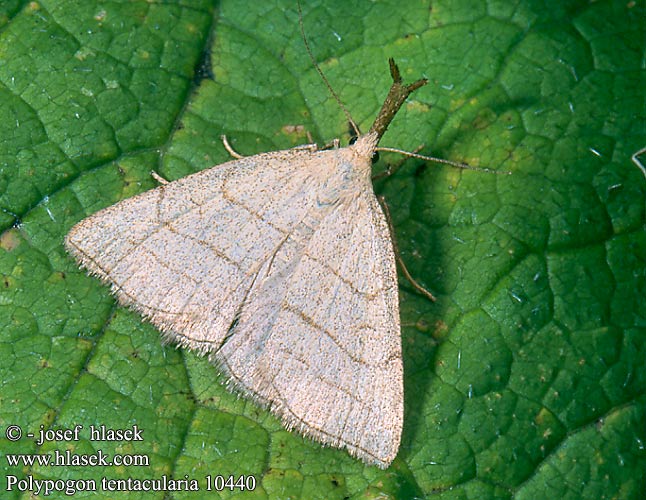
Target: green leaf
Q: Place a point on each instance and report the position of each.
(525, 380)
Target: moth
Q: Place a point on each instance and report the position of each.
(280, 268)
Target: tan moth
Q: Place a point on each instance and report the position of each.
(280, 267)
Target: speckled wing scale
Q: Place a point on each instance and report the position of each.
(280, 268)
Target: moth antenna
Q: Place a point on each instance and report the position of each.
(442, 160)
(320, 71)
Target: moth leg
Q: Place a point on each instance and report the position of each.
(420, 289)
(333, 144)
(158, 178)
(635, 159)
(230, 150)
(312, 147)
